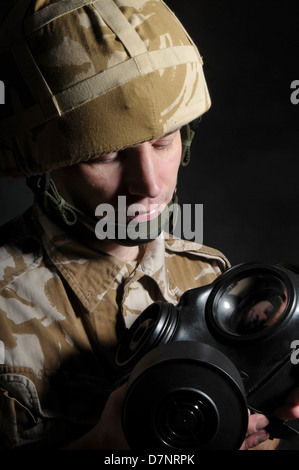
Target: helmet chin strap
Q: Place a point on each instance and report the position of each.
(70, 216)
(148, 231)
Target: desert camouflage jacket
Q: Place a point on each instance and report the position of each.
(63, 305)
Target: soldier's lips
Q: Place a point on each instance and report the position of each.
(123, 213)
(143, 215)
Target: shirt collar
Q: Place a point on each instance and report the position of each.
(90, 273)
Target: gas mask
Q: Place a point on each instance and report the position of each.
(195, 369)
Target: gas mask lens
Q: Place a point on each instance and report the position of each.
(251, 305)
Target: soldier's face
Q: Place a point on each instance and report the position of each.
(145, 174)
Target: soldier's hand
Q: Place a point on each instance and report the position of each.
(107, 434)
(256, 433)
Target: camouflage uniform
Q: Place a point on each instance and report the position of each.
(63, 305)
(83, 78)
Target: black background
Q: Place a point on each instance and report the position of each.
(244, 167)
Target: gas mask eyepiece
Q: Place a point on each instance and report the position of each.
(250, 306)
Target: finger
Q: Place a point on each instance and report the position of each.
(255, 439)
(256, 423)
(287, 411)
(290, 409)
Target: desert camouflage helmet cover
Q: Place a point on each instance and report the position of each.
(87, 77)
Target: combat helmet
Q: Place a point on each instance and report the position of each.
(87, 77)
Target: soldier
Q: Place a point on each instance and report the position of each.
(99, 100)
